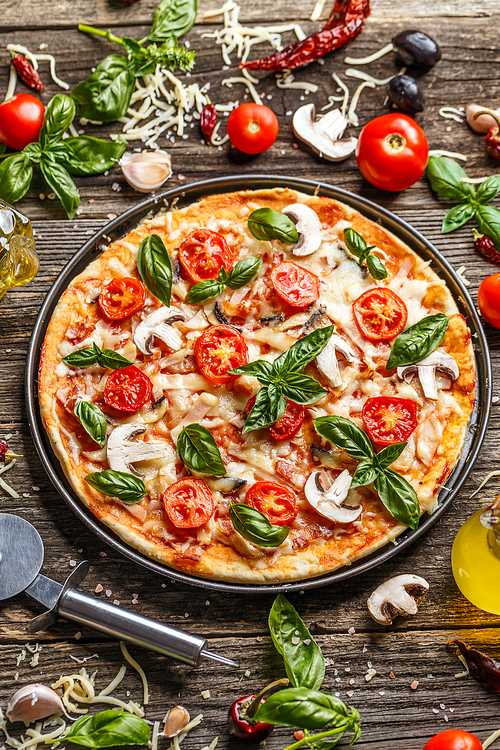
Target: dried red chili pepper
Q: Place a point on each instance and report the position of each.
(346, 21)
(479, 664)
(6, 454)
(27, 73)
(486, 247)
(208, 119)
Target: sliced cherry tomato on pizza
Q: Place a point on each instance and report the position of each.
(454, 739)
(127, 389)
(380, 314)
(188, 503)
(389, 419)
(288, 425)
(294, 284)
(276, 502)
(121, 298)
(203, 253)
(219, 349)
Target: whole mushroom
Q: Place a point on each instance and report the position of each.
(308, 227)
(324, 135)
(399, 596)
(426, 370)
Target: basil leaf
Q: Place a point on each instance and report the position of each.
(366, 473)
(457, 217)
(304, 662)
(418, 341)
(260, 369)
(95, 355)
(81, 358)
(376, 267)
(445, 177)
(306, 709)
(268, 408)
(302, 389)
(59, 115)
(16, 172)
(345, 434)
(106, 94)
(63, 186)
(488, 218)
(243, 273)
(93, 421)
(204, 290)
(255, 527)
(126, 487)
(155, 269)
(86, 155)
(389, 454)
(355, 243)
(108, 729)
(302, 352)
(34, 152)
(488, 189)
(198, 450)
(399, 497)
(268, 224)
(173, 18)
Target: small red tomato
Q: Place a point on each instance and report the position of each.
(244, 728)
(276, 502)
(379, 314)
(392, 152)
(21, 119)
(388, 419)
(121, 298)
(219, 349)
(127, 389)
(454, 739)
(294, 284)
(488, 298)
(203, 253)
(252, 128)
(188, 503)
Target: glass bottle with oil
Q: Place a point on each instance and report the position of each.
(18, 258)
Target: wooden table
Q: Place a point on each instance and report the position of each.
(392, 710)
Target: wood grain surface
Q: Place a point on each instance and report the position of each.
(393, 714)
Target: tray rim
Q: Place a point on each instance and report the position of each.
(189, 194)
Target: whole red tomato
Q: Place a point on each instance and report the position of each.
(392, 152)
(252, 128)
(454, 739)
(21, 119)
(488, 298)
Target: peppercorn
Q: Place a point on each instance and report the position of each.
(486, 246)
(27, 73)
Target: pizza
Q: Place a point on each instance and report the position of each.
(260, 387)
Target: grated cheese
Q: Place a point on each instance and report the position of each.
(84, 658)
(461, 273)
(11, 87)
(249, 81)
(451, 154)
(371, 58)
(287, 81)
(34, 59)
(353, 73)
(192, 724)
(475, 180)
(491, 739)
(485, 481)
(352, 118)
(452, 113)
(138, 669)
(154, 736)
(317, 10)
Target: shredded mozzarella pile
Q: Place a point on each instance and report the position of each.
(35, 59)
(3, 484)
(79, 688)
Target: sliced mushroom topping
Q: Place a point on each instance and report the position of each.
(399, 596)
(225, 485)
(157, 410)
(327, 359)
(123, 451)
(330, 503)
(317, 320)
(308, 226)
(324, 136)
(426, 370)
(158, 324)
(329, 459)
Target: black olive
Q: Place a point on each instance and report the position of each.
(416, 48)
(405, 93)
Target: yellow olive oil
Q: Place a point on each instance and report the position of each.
(475, 560)
(18, 258)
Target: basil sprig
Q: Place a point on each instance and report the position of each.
(198, 450)
(395, 491)
(173, 18)
(93, 421)
(418, 341)
(126, 487)
(255, 527)
(92, 355)
(357, 246)
(445, 177)
(155, 268)
(283, 379)
(243, 273)
(268, 224)
(107, 729)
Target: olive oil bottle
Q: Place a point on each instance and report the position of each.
(18, 258)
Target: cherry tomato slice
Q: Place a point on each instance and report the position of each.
(276, 502)
(389, 419)
(488, 298)
(127, 389)
(121, 298)
(203, 252)
(219, 349)
(288, 425)
(188, 503)
(21, 119)
(252, 128)
(294, 284)
(454, 739)
(380, 314)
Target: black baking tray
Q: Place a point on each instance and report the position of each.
(180, 197)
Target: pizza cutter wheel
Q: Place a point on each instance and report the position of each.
(21, 557)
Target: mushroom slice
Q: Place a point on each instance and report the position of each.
(158, 324)
(225, 485)
(327, 359)
(122, 451)
(399, 596)
(308, 227)
(324, 136)
(330, 503)
(326, 458)
(426, 370)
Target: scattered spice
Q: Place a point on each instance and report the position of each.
(98, 589)
(414, 685)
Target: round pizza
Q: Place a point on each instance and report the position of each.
(260, 387)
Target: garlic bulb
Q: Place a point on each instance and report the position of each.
(146, 171)
(175, 721)
(34, 702)
(483, 122)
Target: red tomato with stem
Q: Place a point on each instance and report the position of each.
(127, 389)
(188, 503)
(388, 419)
(454, 739)
(276, 502)
(203, 253)
(252, 128)
(288, 425)
(121, 298)
(392, 152)
(21, 119)
(488, 298)
(294, 284)
(219, 349)
(379, 314)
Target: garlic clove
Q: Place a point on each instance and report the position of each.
(175, 721)
(34, 702)
(146, 171)
(483, 122)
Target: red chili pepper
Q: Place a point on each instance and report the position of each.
(27, 73)
(242, 726)
(346, 21)
(493, 134)
(208, 119)
(6, 454)
(480, 665)
(486, 247)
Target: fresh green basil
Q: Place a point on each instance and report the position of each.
(15, 177)
(260, 369)
(198, 450)
(357, 246)
(376, 266)
(457, 217)
(445, 177)
(265, 411)
(93, 421)
(255, 527)
(59, 180)
(268, 224)
(155, 268)
(304, 662)
(208, 289)
(126, 487)
(93, 355)
(366, 473)
(302, 389)
(296, 357)
(488, 189)
(307, 709)
(107, 729)
(345, 434)
(173, 18)
(105, 95)
(488, 218)
(243, 273)
(399, 497)
(59, 115)
(390, 453)
(86, 155)
(34, 152)
(418, 341)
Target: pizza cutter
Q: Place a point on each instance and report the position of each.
(21, 557)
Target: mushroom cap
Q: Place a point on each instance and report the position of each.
(438, 360)
(157, 324)
(398, 596)
(323, 135)
(327, 363)
(308, 226)
(330, 503)
(122, 451)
